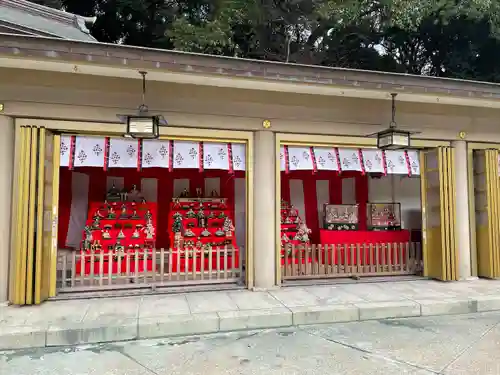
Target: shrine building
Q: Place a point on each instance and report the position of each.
(136, 169)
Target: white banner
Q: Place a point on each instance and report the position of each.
(282, 158)
(414, 162)
(300, 158)
(326, 159)
(239, 156)
(373, 161)
(89, 152)
(155, 154)
(65, 150)
(215, 156)
(123, 153)
(186, 155)
(349, 159)
(396, 162)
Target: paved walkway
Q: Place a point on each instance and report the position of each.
(442, 345)
(117, 319)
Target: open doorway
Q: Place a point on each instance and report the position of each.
(150, 214)
(349, 212)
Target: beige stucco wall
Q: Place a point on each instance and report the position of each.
(77, 97)
(37, 94)
(6, 168)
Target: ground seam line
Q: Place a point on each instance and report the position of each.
(393, 360)
(469, 347)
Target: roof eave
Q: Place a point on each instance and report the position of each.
(93, 57)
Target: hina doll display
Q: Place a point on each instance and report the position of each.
(113, 194)
(123, 213)
(202, 221)
(384, 216)
(150, 231)
(111, 213)
(134, 195)
(302, 233)
(341, 216)
(228, 227)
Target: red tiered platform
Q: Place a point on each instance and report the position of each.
(130, 245)
(289, 223)
(190, 245)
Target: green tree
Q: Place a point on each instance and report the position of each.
(451, 38)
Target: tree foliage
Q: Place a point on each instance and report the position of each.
(450, 38)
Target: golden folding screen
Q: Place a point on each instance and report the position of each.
(34, 255)
(438, 209)
(486, 188)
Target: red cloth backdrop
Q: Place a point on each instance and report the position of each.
(335, 194)
(98, 189)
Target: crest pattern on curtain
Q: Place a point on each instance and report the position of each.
(239, 156)
(123, 153)
(186, 155)
(396, 162)
(89, 152)
(155, 154)
(414, 162)
(373, 161)
(65, 150)
(300, 158)
(349, 159)
(215, 156)
(326, 159)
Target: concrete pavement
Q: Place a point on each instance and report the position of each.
(66, 323)
(444, 345)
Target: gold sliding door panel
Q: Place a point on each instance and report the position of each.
(495, 202)
(431, 210)
(19, 253)
(31, 254)
(51, 208)
(495, 210)
(449, 191)
(438, 210)
(48, 194)
(486, 185)
(50, 214)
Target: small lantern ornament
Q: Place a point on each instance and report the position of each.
(143, 125)
(392, 138)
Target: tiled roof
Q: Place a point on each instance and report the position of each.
(24, 17)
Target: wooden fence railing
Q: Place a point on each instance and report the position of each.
(95, 270)
(349, 260)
